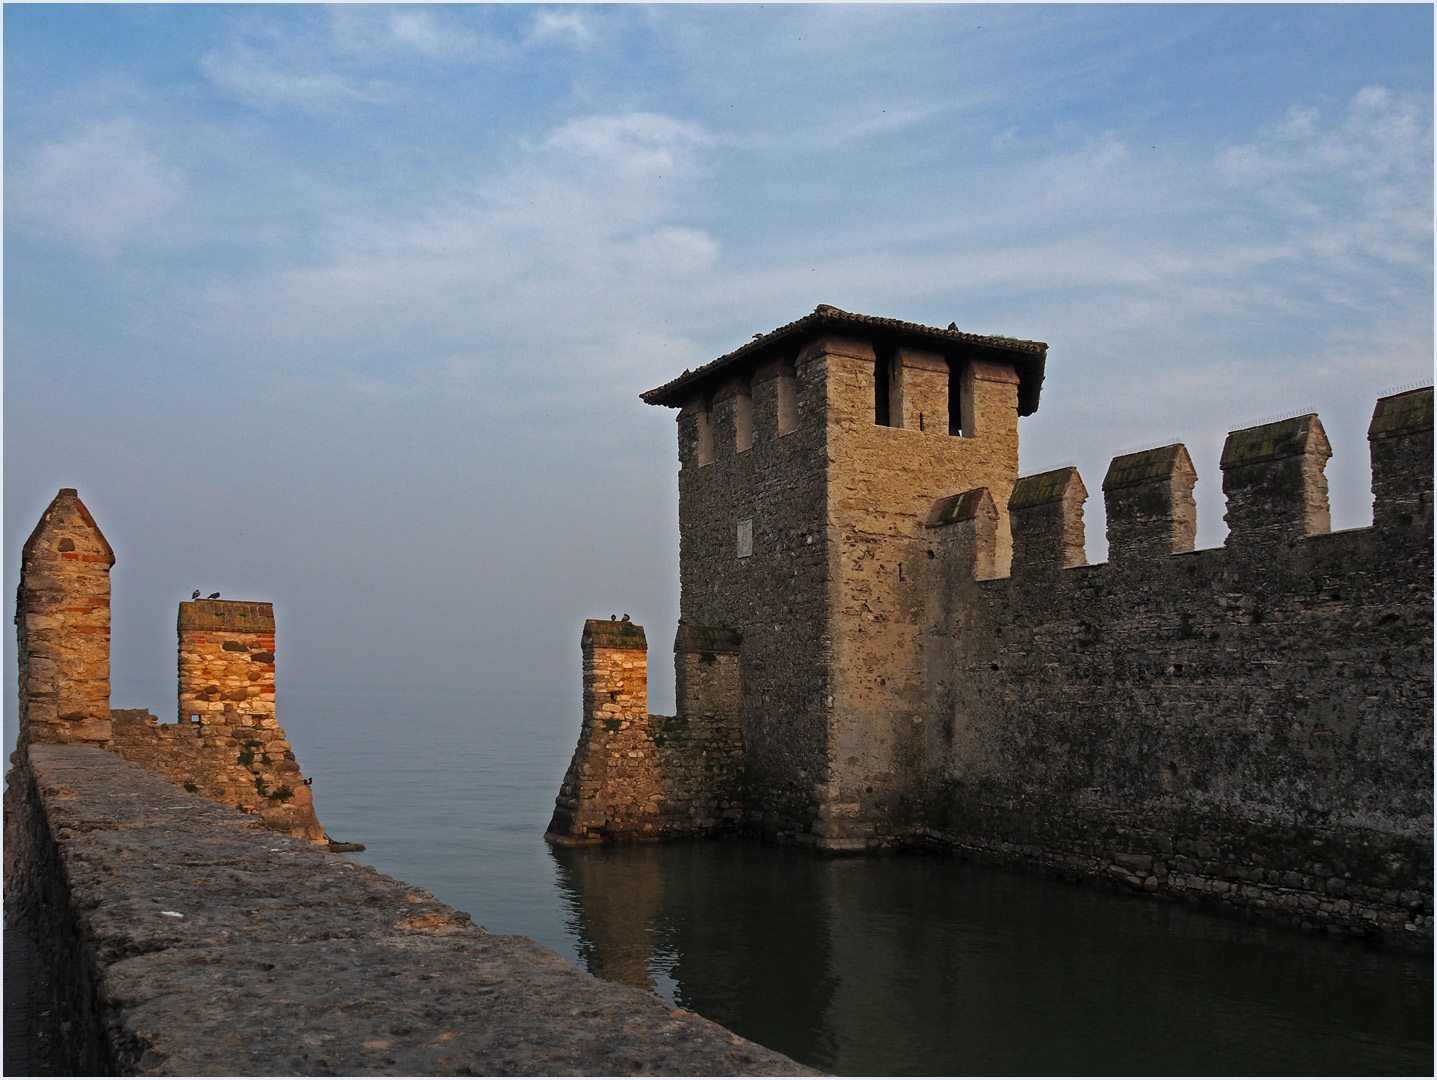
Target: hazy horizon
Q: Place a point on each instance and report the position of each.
(349, 309)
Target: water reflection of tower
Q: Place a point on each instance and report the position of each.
(741, 930)
(613, 900)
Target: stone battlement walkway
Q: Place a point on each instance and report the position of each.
(212, 946)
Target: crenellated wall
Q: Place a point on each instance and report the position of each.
(227, 744)
(1250, 724)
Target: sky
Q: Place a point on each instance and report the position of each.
(349, 308)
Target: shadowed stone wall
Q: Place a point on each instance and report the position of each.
(637, 776)
(1250, 725)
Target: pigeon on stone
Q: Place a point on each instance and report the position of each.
(953, 326)
(613, 618)
(195, 595)
(626, 617)
(214, 596)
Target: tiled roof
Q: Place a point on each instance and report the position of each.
(1027, 357)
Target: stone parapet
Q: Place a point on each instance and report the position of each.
(228, 744)
(1150, 507)
(636, 776)
(1400, 439)
(1046, 515)
(1274, 479)
(183, 939)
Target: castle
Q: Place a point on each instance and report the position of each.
(888, 637)
(226, 742)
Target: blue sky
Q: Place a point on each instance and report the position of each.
(349, 308)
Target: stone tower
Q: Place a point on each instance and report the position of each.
(810, 459)
(62, 618)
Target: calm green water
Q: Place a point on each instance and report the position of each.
(906, 964)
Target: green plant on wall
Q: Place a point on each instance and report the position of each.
(279, 794)
(661, 727)
(191, 788)
(247, 754)
(261, 785)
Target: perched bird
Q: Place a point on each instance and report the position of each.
(308, 780)
(195, 595)
(214, 596)
(626, 617)
(953, 326)
(613, 618)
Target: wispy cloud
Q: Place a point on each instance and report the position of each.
(630, 146)
(386, 33)
(1358, 187)
(264, 79)
(96, 191)
(567, 27)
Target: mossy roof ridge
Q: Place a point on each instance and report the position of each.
(244, 616)
(1269, 442)
(1045, 487)
(1402, 414)
(1146, 466)
(614, 634)
(961, 507)
(1029, 358)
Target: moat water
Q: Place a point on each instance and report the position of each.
(909, 964)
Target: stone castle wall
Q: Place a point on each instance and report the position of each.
(1250, 725)
(635, 775)
(228, 744)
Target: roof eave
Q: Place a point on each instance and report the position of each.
(1027, 357)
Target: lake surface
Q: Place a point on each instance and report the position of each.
(907, 964)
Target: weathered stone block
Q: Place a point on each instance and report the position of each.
(1150, 507)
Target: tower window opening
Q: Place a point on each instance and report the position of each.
(883, 391)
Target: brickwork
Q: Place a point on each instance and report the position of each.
(1250, 725)
(635, 775)
(62, 616)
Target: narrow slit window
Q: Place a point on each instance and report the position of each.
(706, 434)
(955, 400)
